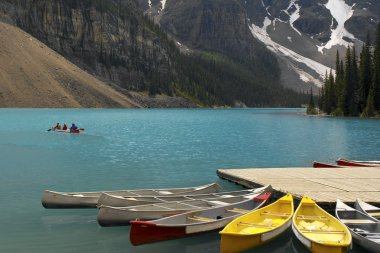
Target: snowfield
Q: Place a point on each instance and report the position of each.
(341, 12)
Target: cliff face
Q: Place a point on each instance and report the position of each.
(110, 38)
(210, 25)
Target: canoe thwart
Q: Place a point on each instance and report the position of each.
(364, 221)
(249, 224)
(275, 214)
(305, 217)
(237, 210)
(198, 218)
(318, 231)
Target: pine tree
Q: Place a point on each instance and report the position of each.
(353, 89)
(311, 107)
(369, 110)
(376, 75)
(365, 74)
(339, 87)
(332, 93)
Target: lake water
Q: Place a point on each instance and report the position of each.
(132, 149)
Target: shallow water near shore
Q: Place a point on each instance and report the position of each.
(133, 149)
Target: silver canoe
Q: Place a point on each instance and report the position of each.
(192, 222)
(109, 199)
(52, 199)
(366, 208)
(364, 229)
(120, 216)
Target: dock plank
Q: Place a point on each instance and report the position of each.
(324, 185)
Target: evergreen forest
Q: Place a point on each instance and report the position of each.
(354, 89)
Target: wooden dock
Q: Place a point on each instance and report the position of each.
(324, 185)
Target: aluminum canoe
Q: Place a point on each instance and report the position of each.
(319, 231)
(368, 209)
(109, 199)
(53, 199)
(257, 227)
(121, 216)
(195, 222)
(365, 230)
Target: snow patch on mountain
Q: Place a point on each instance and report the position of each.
(150, 3)
(341, 12)
(295, 15)
(163, 2)
(262, 35)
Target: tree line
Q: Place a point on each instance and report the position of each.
(354, 88)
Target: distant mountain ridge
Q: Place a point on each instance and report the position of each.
(115, 42)
(304, 35)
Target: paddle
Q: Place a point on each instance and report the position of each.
(49, 130)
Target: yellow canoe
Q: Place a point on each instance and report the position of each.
(257, 227)
(319, 231)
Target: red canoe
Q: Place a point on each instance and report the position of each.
(344, 162)
(195, 222)
(325, 165)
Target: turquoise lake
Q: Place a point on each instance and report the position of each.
(132, 149)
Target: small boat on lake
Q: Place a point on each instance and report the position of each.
(68, 131)
(121, 216)
(365, 229)
(349, 163)
(189, 223)
(109, 199)
(53, 199)
(325, 165)
(368, 209)
(319, 231)
(257, 227)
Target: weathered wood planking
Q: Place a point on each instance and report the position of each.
(324, 185)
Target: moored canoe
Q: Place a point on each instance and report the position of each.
(325, 165)
(367, 162)
(366, 208)
(53, 199)
(344, 162)
(181, 225)
(257, 227)
(109, 199)
(121, 216)
(365, 230)
(319, 231)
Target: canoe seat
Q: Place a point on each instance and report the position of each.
(319, 231)
(237, 210)
(249, 224)
(304, 217)
(374, 213)
(198, 218)
(275, 214)
(350, 221)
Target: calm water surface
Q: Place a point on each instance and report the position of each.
(131, 149)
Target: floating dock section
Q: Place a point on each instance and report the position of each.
(324, 185)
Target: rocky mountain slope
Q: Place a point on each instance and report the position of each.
(33, 75)
(303, 34)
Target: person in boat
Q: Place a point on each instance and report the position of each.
(64, 127)
(58, 126)
(73, 127)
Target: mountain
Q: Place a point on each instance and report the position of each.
(304, 35)
(33, 75)
(219, 62)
